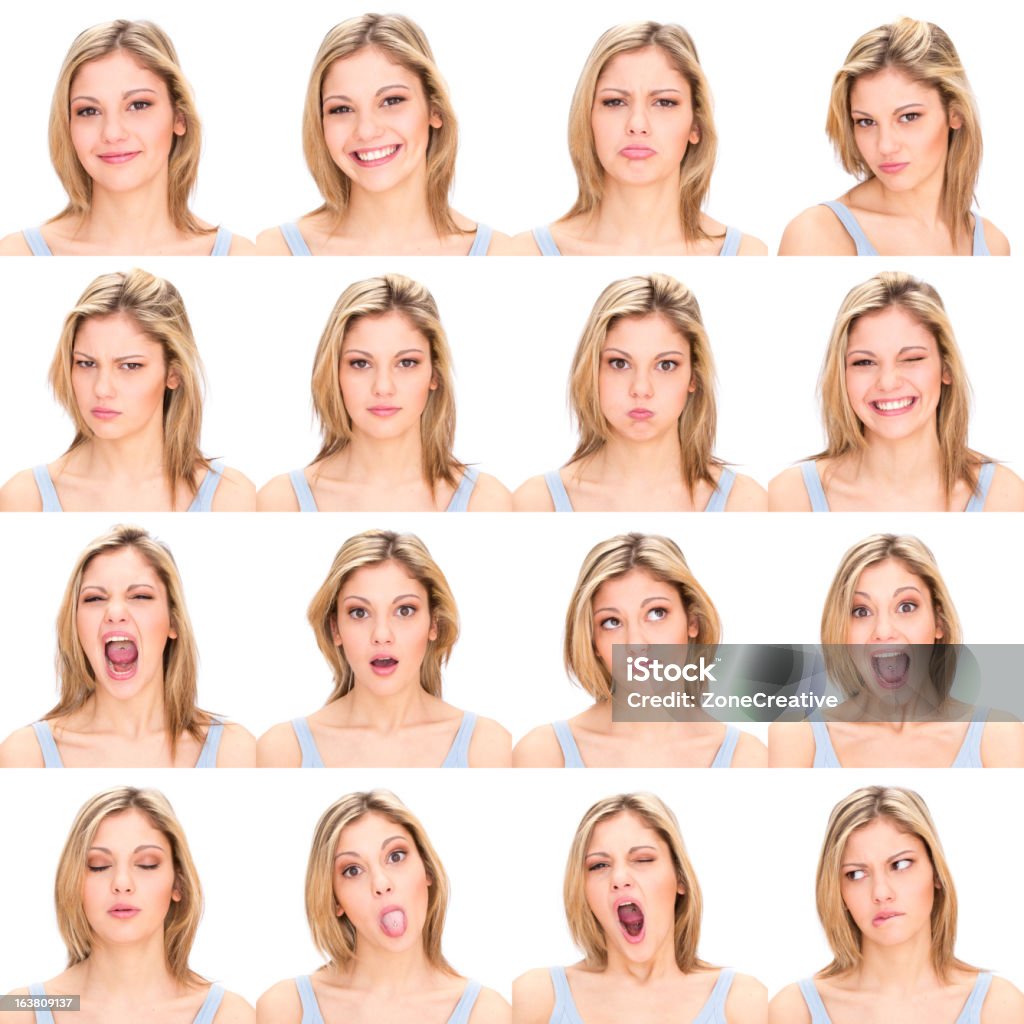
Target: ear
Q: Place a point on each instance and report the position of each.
(681, 889)
(176, 893)
(692, 387)
(694, 136)
(947, 377)
(172, 633)
(434, 382)
(435, 119)
(180, 124)
(432, 635)
(955, 120)
(173, 380)
(693, 628)
(339, 910)
(335, 634)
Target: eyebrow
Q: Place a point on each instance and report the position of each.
(632, 849)
(401, 597)
(660, 355)
(628, 92)
(898, 110)
(131, 586)
(383, 88)
(400, 352)
(117, 359)
(868, 352)
(898, 590)
(354, 853)
(144, 846)
(124, 95)
(858, 864)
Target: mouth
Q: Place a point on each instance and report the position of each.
(118, 158)
(121, 654)
(384, 410)
(375, 157)
(892, 168)
(891, 668)
(886, 915)
(393, 922)
(893, 406)
(640, 414)
(384, 665)
(631, 921)
(637, 152)
(123, 911)
(104, 414)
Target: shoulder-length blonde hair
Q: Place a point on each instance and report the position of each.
(909, 813)
(335, 936)
(844, 430)
(375, 297)
(158, 310)
(373, 548)
(152, 48)
(923, 52)
(609, 560)
(404, 43)
(699, 159)
(583, 924)
(183, 916)
(181, 658)
(638, 297)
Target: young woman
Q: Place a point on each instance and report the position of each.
(887, 613)
(386, 621)
(635, 589)
(380, 139)
(127, 664)
(888, 906)
(385, 399)
(642, 390)
(633, 907)
(376, 899)
(642, 140)
(128, 908)
(903, 120)
(128, 373)
(125, 140)
(895, 404)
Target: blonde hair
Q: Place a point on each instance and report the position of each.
(909, 813)
(375, 547)
(927, 55)
(699, 159)
(609, 560)
(634, 298)
(181, 658)
(583, 924)
(403, 42)
(152, 48)
(157, 309)
(183, 916)
(375, 297)
(336, 937)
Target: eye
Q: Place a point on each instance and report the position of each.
(657, 614)
(863, 362)
(408, 363)
(86, 112)
(148, 867)
(91, 598)
(406, 611)
(613, 101)
(910, 116)
(855, 875)
(141, 597)
(914, 359)
(905, 607)
(597, 865)
(359, 364)
(140, 105)
(618, 363)
(664, 101)
(667, 365)
(340, 108)
(393, 101)
(84, 364)
(96, 868)
(860, 611)
(863, 122)
(396, 856)
(902, 864)
(132, 366)
(352, 871)
(611, 622)
(358, 613)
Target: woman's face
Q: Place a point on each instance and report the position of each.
(129, 882)
(894, 374)
(642, 118)
(376, 120)
(631, 886)
(901, 129)
(122, 123)
(645, 377)
(124, 622)
(119, 378)
(384, 626)
(386, 375)
(381, 884)
(888, 883)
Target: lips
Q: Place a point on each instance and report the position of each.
(886, 915)
(118, 158)
(640, 414)
(893, 406)
(384, 665)
(384, 410)
(631, 920)
(637, 152)
(375, 157)
(102, 413)
(121, 653)
(393, 922)
(893, 168)
(123, 911)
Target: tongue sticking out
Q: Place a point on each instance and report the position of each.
(122, 653)
(393, 923)
(892, 669)
(631, 918)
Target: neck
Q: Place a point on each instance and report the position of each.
(378, 217)
(385, 972)
(907, 459)
(922, 204)
(138, 458)
(134, 718)
(637, 218)
(381, 462)
(689, 725)
(626, 463)
(904, 968)
(134, 974)
(386, 713)
(128, 221)
(662, 963)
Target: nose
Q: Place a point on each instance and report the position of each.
(381, 883)
(881, 889)
(642, 384)
(889, 376)
(122, 880)
(115, 611)
(382, 633)
(367, 125)
(104, 382)
(638, 122)
(621, 879)
(113, 127)
(885, 628)
(383, 381)
(888, 140)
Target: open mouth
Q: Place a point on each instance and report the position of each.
(891, 668)
(893, 406)
(393, 923)
(384, 665)
(373, 157)
(631, 920)
(122, 657)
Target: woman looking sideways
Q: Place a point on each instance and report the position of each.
(385, 620)
(642, 391)
(376, 901)
(125, 140)
(887, 903)
(903, 120)
(127, 668)
(895, 404)
(635, 589)
(380, 138)
(643, 143)
(384, 395)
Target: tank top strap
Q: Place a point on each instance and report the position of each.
(222, 243)
(819, 1015)
(51, 503)
(853, 228)
(458, 752)
(980, 496)
(203, 501)
(731, 244)
(310, 755)
(460, 499)
(208, 755)
(47, 744)
(35, 241)
(211, 1004)
(979, 246)
(294, 240)
(723, 759)
(559, 495)
(566, 740)
(464, 1007)
(969, 754)
(971, 1013)
(720, 495)
(713, 1010)
(824, 753)
(310, 1007)
(812, 482)
(42, 1016)
(303, 492)
(545, 241)
(481, 241)
(564, 1011)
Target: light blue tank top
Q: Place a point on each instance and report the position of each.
(52, 758)
(37, 244)
(549, 247)
(573, 759)
(457, 756)
(970, 1014)
(311, 1008)
(565, 1012)
(202, 502)
(819, 503)
(459, 502)
(716, 503)
(211, 1004)
(968, 756)
(865, 248)
(297, 244)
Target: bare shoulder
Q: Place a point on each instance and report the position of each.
(490, 1008)
(491, 746)
(747, 495)
(747, 1002)
(21, 750)
(533, 997)
(280, 1004)
(750, 752)
(14, 244)
(533, 496)
(278, 495)
(241, 247)
(788, 493)
(271, 243)
(278, 747)
(235, 493)
(499, 243)
(237, 747)
(1006, 493)
(998, 244)
(23, 1016)
(790, 745)
(234, 1010)
(523, 244)
(490, 495)
(1002, 745)
(789, 1007)
(1004, 1003)
(816, 232)
(751, 246)
(21, 494)
(539, 748)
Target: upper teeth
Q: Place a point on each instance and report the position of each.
(375, 154)
(889, 654)
(117, 639)
(896, 403)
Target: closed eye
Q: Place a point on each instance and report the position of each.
(613, 101)
(339, 108)
(597, 865)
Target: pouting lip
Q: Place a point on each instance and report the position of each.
(640, 413)
(893, 168)
(637, 152)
